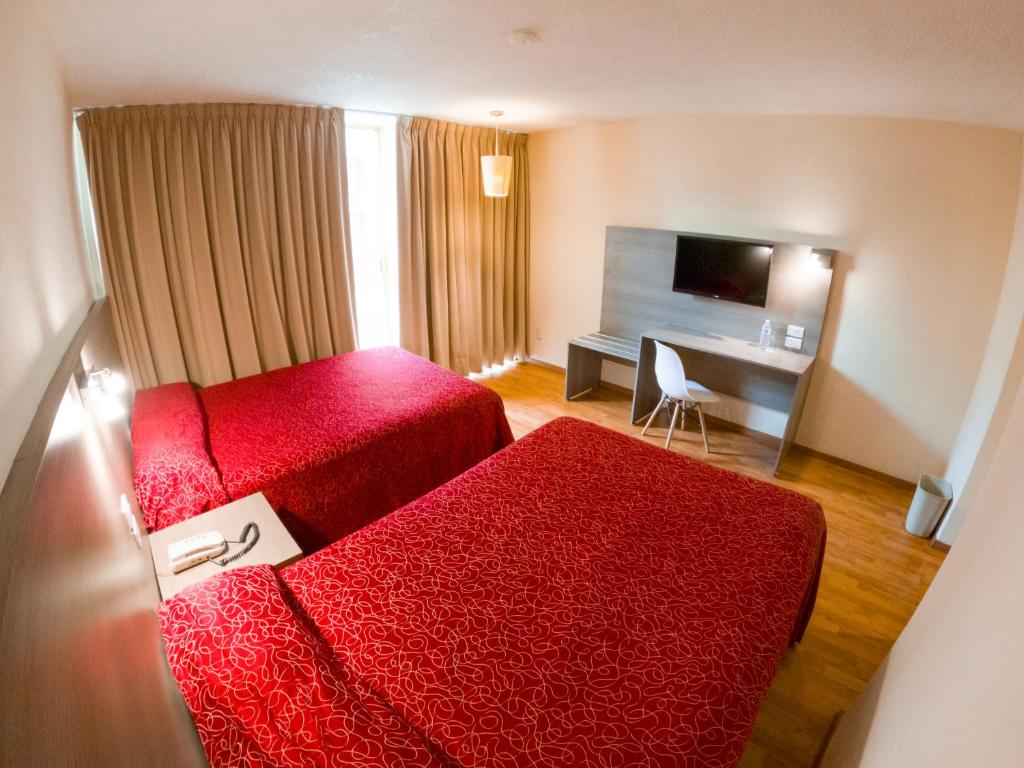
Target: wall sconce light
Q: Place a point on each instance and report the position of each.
(109, 381)
(105, 388)
(823, 257)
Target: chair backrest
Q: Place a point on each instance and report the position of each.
(668, 368)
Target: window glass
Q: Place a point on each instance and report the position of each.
(373, 217)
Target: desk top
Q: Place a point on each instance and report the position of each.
(275, 545)
(785, 360)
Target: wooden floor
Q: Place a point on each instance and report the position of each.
(874, 575)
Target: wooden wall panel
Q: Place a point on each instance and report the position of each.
(83, 680)
(638, 296)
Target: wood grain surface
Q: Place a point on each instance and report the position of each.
(875, 573)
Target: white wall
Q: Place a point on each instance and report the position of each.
(44, 291)
(923, 213)
(949, 694)
(997, 380)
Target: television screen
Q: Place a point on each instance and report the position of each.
(723, 269)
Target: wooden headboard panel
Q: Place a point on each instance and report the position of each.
(83, 680)
(637, 291)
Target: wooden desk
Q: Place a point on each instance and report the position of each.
(775, 378)
(275, 547)
(583, 367)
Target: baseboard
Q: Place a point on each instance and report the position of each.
(544, 364)
(757, 434)
(743, 429)
(603, 384)
(616, 388)
(853, 466)
(827, 739)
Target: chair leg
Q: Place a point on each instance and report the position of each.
(672, 424)
(653, 414)
(703, 430)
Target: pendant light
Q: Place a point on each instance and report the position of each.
(497, 169)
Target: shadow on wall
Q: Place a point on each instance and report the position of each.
(842, 265)
(832, 391)
(835, 390)
(23, 384)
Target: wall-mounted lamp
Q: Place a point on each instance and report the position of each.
(105, 387)
(497, 169)
(823, 257)
(109, 381)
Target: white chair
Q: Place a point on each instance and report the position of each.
(677, 391)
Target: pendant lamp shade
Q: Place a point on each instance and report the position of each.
(497, 174)
(497, 169)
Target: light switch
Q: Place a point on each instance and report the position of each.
(794, 343)
(796, 331)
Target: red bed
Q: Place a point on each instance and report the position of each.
(333, 444)
(579, 599)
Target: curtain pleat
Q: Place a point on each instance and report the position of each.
(225, 237)
(463, 257)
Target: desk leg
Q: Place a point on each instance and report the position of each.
(645, 387)
(799, 396)
(582, 371)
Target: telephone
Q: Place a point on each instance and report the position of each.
(184, 554)
(191, 551)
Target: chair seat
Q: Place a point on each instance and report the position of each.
(698, 393)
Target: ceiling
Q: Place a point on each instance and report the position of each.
(595, 60)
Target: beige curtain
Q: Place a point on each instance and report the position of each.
(225, 237)
(463, 257)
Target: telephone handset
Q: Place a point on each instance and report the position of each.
(189, 552)
(184, 554)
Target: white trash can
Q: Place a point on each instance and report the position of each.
(931, 498)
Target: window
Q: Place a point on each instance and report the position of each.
(373, 215)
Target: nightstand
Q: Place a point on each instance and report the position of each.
(275, 547)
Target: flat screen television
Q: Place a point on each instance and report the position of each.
(723, 269)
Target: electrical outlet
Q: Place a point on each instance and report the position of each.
(793, 342)
(796, 331)
(538, 335)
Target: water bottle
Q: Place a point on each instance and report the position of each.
(765, 341)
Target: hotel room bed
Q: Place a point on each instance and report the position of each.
(333, 444)
(578, 599)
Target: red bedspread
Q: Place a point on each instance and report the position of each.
(579, 599)
(337, 443)
(174, 475)
(265, 691)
